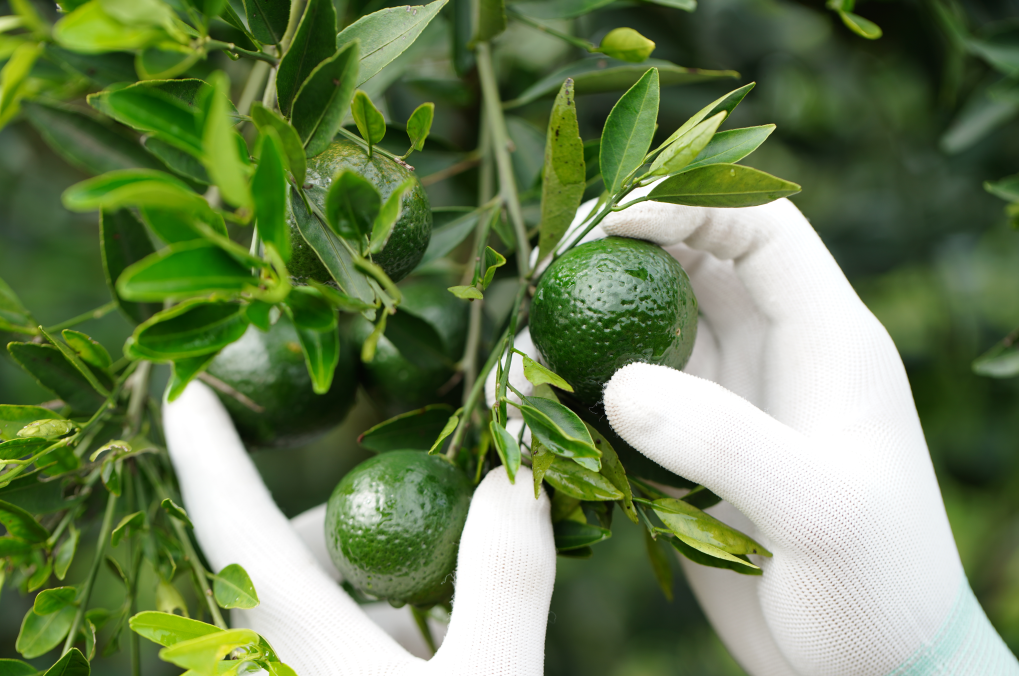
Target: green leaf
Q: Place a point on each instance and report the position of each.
(419, 124)
(90, 29)
(128, 526)
(124, 241)
(558, 9)
(1006, 188)
(13, 314)
(191, 329)
(728, 147)
(680, 153)
(412, 431)
(315, 321)
(689, 522)
(564, 178)
(111, 474)
(86, 143)
(71, 663)
(168, 630)
(659, 563)
(862, 27)
(386, 34)
(389, 213)
(185, 270)
(267, 19)
(596, 75)
(334, 255)
(168, 599)
(233, 588)
(165, 60)
(269, 192)
(128, 187)
(492, 261)
(352, 204)
(220, 145)
(187, 369)
(685, 5)
(54, 372)
(370, 123)
(447, 430)
(573, 535)
(448, 236)
(371, 343)
(613, 470)
(292, 147)
(323, 100)
(13, 418)
(314, 42)
(628, 131)
(51, 600)
(148, 108)
(491, 19)
(724, 104)
(10, 667)
(561, 431)
(701, 498)
(90, 351)
(13, 547)
(34, 495)
(537, 374)
(466, 292)
(707, 555)
(337, 299)
(626, 44)
(579, 482)
(41, 633)
(202, 654)
(722, 185)
(12, 79)
(64, 554)
(102, 69)
(21, 524)
(507, 448)
(47, 429)
(541, 460)
(1001, 361)
(176, 511)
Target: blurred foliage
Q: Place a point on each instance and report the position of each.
(861, 126)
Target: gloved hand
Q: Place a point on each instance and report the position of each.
(796, 410)
(504, 576)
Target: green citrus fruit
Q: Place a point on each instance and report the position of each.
(413, 228)
(609, 303)
(268, 368)
(393, 526)
(414, 358)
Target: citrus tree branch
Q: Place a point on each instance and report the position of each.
(104, 536)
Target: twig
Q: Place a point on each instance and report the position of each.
(218, 384)
(100, 311)
(475, 394)
(104, 536)
(253, 86)
(237, 51)
(576, 42)
(471, 161)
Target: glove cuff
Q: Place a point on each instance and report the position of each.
(965, 644)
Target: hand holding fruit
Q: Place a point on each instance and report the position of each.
(500, 611)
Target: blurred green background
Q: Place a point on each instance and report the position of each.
(861, 126)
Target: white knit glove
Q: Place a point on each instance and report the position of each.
(504, 577)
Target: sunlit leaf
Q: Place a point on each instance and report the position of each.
(564, 179)
(722, 185)
(313, 43)
(628, 131)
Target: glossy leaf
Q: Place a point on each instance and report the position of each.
(51, 600)
(41, 633)
(560, 431)
(12, 79)
(269, 192)
(601, 74)
(419, 124)
(626, 44)
(685, 5)
(21, 524)
(466, 292)
(331, 251)
(1001, 361)
(14, 316)
(176, 511)
(201, 654)
(628, 131)
(168, 630)
(64, 554)
(13, 547)
(324, 99)
(724, 104)
(130, 187)
(687, 521)
(573, 535)
(491, 19)
(352, 204)
(507, 448)
(102, 69)
(47, 429)
(412, 431)
(148, 108)
(124, 241)
(313, 43)
(564, 176)
(165, 60)
(370, 122)
(1006, 188)
(187, 369)
(191, 329)
(53, 371)
(447, 430)
(613, 470)
(176, 160)
(659, 563)
(537, 374)
(707, 555)
(13, 418)
(315, 321)
(722, 185)
(701, 498)
(185, 270)
(90, 351)
(90, 29)
(128, 526)
(233, 588)
(71, 663)
(389, 213)
(558, 9)
(220, 146)
(728, 147)
(491, 261)
(579, 482)
(386, 34)
(337, 299)
(681, 152)
(267, 19)
(292, 147)
(541, 460)
(865, 28)
(9, 667)
(448, 236)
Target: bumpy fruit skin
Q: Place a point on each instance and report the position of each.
(412, 231)
(269, 369)
(393, 526)
(609, 303)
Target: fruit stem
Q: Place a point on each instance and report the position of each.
(500, 392)
(421, 619)
(569, 39)
(374, 148)
(500, 143)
